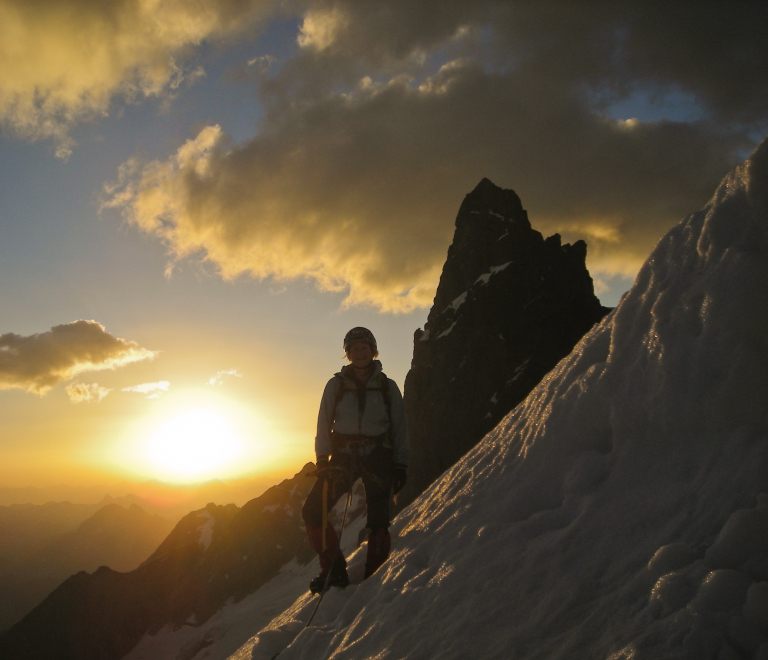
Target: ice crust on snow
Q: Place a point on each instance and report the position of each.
(745, 534)
(756, 606)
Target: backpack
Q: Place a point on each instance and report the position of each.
(383, 386)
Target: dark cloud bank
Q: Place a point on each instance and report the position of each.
(390, 111)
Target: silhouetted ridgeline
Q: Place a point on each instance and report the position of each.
(41, 546)
(213, 555)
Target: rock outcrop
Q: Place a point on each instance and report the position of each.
(509, 306)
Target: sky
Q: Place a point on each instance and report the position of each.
(199, 198)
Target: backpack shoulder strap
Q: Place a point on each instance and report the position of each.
(384, 385)
(339, 395)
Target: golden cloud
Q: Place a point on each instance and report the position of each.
(262, 224)
(39, 362)
(86, 392)
(63, 61)
(218, 379)
(153, 389)
(320, 27)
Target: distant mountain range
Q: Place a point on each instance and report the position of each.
(40, 546)
(213, 555)
(168, 500)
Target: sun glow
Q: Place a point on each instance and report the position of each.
(194, 444)
(191, 436)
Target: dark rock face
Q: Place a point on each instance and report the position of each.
(212, 555)
(510, 305)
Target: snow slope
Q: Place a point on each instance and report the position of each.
(620, 511)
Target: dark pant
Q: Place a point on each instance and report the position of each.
(376, 471)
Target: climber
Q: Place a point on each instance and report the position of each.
(361, 433)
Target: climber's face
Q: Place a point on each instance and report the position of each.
(360, 354)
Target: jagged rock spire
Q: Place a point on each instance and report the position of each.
(508, 307)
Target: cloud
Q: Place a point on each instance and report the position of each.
(319, 28)
(704, 48)
(359, 192)
(64, 61)
(153, 389)
(80, 392)
(391, 111)
(39, 362)
(218, 379)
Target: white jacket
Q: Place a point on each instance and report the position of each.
(366, 417)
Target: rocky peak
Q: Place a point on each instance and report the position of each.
(487, 216)
(510, 304)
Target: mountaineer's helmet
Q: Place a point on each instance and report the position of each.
(360, 334)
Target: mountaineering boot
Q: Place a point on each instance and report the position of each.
(338, 576)
(378, 550)
(315, 537)
(331, 560)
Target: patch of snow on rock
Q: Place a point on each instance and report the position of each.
(485, 277)
(206, 531)
(458, 302)
(448, 331)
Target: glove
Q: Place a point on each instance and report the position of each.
(321, 466)
(399, 478)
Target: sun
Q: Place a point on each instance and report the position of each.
(193, 444)
(189, 437)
